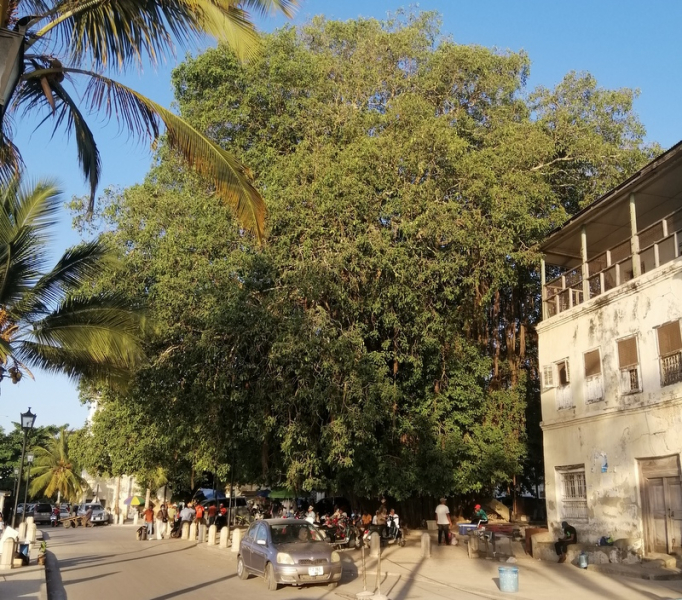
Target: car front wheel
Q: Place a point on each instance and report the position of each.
(242, 573)
(270, 580)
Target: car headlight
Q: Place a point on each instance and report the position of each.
(284, 559)
(336, 557)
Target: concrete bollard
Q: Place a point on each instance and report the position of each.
(202, 533)
(9, 547)
(212, 531)
(31, 533)
(224, 536)
(193, 531)
(426, 545)
(22, 530)
(30, 521)
(236, 540)
(185, 531)
(136, 518)
(374, 544)
(167, 533)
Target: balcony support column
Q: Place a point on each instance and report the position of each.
(585, 269)
(634, 239)
(543, 281)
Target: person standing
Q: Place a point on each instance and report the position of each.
(569, 536)
(149, 521)
(199, 511)
(172, 511)
(161, 520)
(187, 514)
(212, 512)
(443, 521)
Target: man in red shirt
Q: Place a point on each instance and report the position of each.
(212, 512)
(149, 521)
(200, 514)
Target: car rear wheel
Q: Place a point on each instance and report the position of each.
(270, 580)
(242, 573)
(333, 585)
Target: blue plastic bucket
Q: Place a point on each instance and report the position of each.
(24, 549)
(509, 579)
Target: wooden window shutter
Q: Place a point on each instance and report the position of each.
(547, 376)
(592, 363)
(627, 353)
(669, 339)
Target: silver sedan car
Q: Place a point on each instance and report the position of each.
(288, 552)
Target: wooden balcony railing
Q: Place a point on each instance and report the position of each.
(658, 243)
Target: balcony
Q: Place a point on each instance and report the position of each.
(671, 368)
(658, 244)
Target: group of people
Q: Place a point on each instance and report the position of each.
(444, 521)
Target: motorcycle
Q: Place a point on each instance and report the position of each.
(389, 534)
(54, 520)
(342, 533)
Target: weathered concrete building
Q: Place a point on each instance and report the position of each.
(611, 362)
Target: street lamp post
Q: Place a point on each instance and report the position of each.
(27, 420)
(29, 460)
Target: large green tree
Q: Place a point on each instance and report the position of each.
(64, 41)
(382, 340)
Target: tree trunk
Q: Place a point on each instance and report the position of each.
(147, 498)
(117, 496)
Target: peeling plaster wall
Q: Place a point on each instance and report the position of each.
(622, 427)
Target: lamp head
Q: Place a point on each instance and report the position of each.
(29, 458)
(27, 419)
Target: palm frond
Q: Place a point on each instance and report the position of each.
(95, 336)
(11, 163)
(65, 111)
(124, 32)
(141, 115)
(77, 266)
(27, 211)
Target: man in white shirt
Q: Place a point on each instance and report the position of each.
(443, 521)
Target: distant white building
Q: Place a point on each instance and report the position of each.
(610, 353)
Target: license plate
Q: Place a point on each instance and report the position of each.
(315, 570)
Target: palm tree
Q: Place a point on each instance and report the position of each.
(46, 318)
(71, 40)
(54, 472)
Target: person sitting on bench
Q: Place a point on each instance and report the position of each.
(570, 536)
(480, 516)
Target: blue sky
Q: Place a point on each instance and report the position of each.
(632, 44)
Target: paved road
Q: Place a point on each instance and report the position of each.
(108, 563)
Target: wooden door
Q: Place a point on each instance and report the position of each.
(665, 506)
(662, 505)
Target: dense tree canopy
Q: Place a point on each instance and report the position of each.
(382, 339)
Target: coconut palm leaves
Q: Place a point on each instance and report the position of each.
(45, 318)
(55, 472)
(68, 40)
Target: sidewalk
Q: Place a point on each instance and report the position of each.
(25, 582)
(451, 573)
(451, 568)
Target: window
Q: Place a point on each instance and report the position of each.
(628, 363)
(573, 492)
(547, 377)
(564, 399)
(594, 389)
(669, 350)
(261, 533)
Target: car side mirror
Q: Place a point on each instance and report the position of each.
(261, 542)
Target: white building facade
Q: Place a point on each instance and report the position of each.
(610, 356)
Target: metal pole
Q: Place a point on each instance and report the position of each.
(28, 479)
(21, 469)
(230, 520)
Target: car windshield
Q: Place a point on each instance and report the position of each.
(298, 532)
(93, 506)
